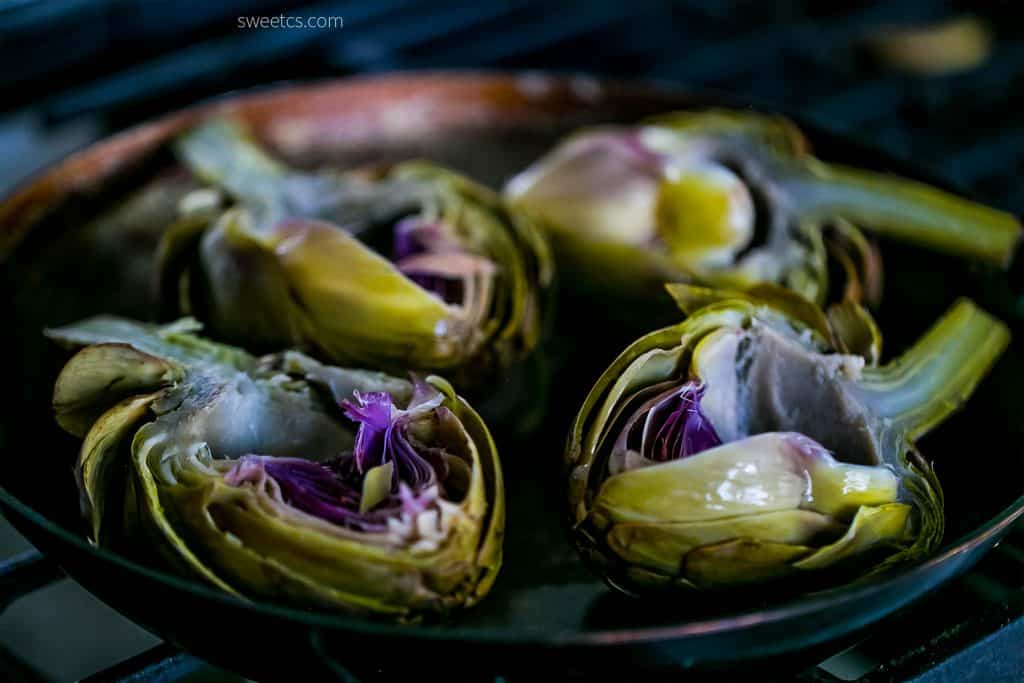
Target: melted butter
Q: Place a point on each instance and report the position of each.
(704, 215)
(856, 481)
(745, 492)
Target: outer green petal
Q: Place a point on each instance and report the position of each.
(741, 561)
(173, 546)
(387, 317)
(99, 376)
(662, 546)
(101, 466)
(873, 525)
(759, 474)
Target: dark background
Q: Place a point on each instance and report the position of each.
(75, 70)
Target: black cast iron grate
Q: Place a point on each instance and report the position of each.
(76, 69)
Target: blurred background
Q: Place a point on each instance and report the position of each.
(936, 82)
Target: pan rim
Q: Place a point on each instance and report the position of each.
(800, 607)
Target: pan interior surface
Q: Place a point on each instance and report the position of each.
(86, 232)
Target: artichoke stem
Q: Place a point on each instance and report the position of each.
(920, 388)
(907, 211)
(223, 153)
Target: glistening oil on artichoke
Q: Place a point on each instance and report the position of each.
(279, 476)
(739, 447)
(733, 199)
(408, 267)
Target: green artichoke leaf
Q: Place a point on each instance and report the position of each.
(690, 298)
(102, 465)
(855, 331)
(395, 268)
(871, 526)
(741, 445)
(281, 477)
(773, 132)
(739, 561)
(400, 320)
(342, 383)
(173, 342)
(239, 286)
(224, 154)
(764, 473)
(100, 375)
(731, 200)
(860, 260)
(846, 326)
(663, 546)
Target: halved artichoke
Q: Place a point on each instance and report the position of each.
(732, 199)
(279, 476)
(407, 267)
(739, 447)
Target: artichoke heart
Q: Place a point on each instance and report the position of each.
(407, 267)
(740, 446)
(734, 199)
(278, 476)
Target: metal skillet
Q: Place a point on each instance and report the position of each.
(547, 616)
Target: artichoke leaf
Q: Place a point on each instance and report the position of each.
(172, 546)
(174, 254)
(650, 359)
(777, 132)
(846, 326)
(343, 383)
(690, 298)
(266, 575)
(855, 331)
(248, 295)
(763, 473)
(174, 341)
(860, 260)
(741, 561)
(872, 525)
(223, 153)
(102, 463)
(376, 486)
(407, 321)
(99, 376)
(663, 546)
(486, 500)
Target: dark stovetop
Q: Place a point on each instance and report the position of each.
(75, 70)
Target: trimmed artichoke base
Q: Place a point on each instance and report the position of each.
(282, 477)
(407, 551)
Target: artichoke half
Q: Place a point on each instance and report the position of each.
(739, 447)
(407, 267)
(732, 199)
(279, 476)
